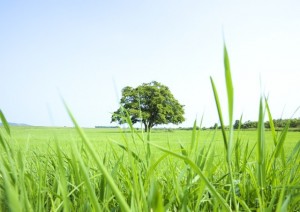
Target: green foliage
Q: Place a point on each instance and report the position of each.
(150, 103)
(271, 123)
(281, 123)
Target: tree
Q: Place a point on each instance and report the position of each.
(150, 103)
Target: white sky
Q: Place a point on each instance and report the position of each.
(87, 51)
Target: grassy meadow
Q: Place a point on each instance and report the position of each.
(45, 138)
(75, 169)
(52, 169)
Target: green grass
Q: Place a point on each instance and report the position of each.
(44, 137)
(74, 169)
(170, 179)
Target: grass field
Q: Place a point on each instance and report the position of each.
(74, 169)
(46, 137)
(51, 169)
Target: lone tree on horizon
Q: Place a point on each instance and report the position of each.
(150, 103)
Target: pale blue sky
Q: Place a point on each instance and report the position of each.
(84, 49)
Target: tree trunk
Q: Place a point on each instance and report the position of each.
(146, 127)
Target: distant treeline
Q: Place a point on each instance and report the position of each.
(278, 124)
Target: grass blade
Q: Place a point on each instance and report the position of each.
(85, 175)
(272, 126)
(230, 97)
(4, 122)
(110, 180)
(219, 112)
(193, 141)
(261, 150)
(229, 85)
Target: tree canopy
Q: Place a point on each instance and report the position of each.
(150, 103)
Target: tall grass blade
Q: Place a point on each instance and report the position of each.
(294, 153)
(261, 157)
(230, 98)
(219, 112)
(110, 180)
(62, 179)
(85, 175)
(193, 141)
(272, 126)
(279, 148)
(229, 85)
(4, 122)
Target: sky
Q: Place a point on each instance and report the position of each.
(85, 52)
